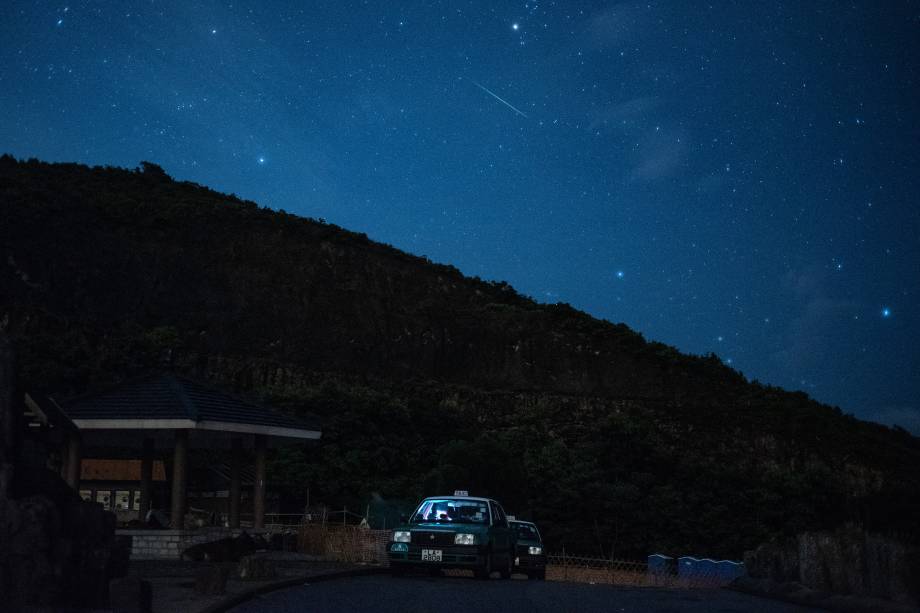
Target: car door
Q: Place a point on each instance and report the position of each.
(501, 531)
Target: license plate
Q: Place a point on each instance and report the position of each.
(431, 555)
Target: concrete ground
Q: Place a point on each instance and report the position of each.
(456, 594)
(173, 581)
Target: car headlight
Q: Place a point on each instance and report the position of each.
(402, 536)
(534, 551)
(464, 539)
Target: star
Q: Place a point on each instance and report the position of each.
(610, 169)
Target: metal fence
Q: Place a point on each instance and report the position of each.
(277, 522)
(356, 544)
(581, 569)
(353, 544)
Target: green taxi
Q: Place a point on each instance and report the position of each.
(529, 557)
(456, 531)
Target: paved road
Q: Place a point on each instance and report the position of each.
(417, 594)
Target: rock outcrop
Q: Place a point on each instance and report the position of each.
(55, 549)
(845, 562)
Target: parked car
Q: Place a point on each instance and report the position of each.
(529, 557)
(456, 531)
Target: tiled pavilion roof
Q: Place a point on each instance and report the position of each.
(171, 402)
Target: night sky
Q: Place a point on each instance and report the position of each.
(736, 178)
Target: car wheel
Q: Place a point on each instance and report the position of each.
(539, 575)
(506, 570)
(397, 571)
(484, 571)
(435, 572)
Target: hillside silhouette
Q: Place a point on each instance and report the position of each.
(426, 380)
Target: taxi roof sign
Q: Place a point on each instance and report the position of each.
(461, 493)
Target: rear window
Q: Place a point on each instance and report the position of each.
(525, 531)
(451, 510)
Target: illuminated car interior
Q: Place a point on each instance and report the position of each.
(449, 510)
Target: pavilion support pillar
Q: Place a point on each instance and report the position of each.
(180, 461)
(236, 482)
(258, 487)
(73, 461)
(146, 478)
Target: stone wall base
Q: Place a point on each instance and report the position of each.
(169, 544)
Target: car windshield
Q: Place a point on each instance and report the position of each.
(452, 510)
(525, 531)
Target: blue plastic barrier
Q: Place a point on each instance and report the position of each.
(709, 571)
(661, 565)
(729, 571)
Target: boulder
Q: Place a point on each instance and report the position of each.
(846, 562)
(778, 561)
(35, 556)
(212, 580)
(259, 543)
(130, 595)
(832, 562)
(56, 551)
(221, 550)
(95, 557)
(290, 541)
(256, 568)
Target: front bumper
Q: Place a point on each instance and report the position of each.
(456, 556)
(525, 561)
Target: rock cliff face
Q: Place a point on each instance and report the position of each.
(426, 379)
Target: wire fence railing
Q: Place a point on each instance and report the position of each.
(358, 544)
(355, 544)
(581, 569)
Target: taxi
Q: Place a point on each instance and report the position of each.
(458, 531)
(529, 557)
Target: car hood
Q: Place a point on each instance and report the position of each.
(449, 528)
(529, 542)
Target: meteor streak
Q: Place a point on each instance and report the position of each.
(500, 99)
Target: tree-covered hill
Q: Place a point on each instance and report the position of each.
(425, 379)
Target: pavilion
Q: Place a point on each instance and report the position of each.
(160, 418)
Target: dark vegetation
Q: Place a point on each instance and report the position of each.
(426, 380)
